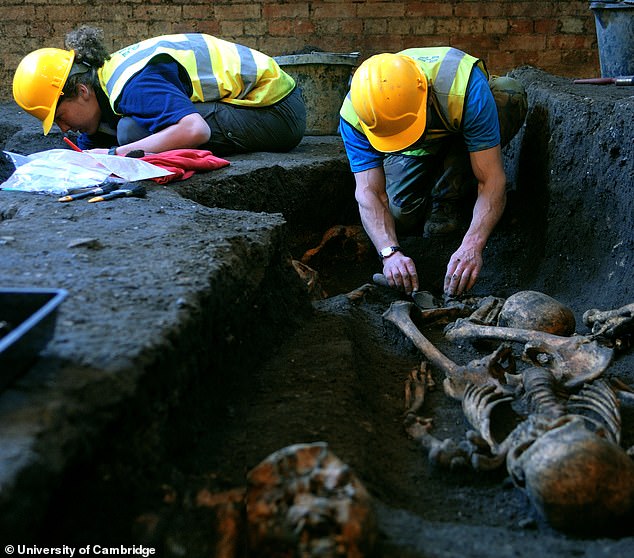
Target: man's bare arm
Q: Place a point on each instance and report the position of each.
(465, 264)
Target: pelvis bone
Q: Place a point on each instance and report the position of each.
(572, 360)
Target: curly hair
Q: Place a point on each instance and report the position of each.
(90, 55)
(87, 42)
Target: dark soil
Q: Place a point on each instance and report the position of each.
(339, 377)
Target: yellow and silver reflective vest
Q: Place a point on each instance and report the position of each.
(218, 70)
(448, 71)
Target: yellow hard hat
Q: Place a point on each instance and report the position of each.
(389, 95)
(39, 80)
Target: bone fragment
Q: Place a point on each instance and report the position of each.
(304, 501)
(399, 314)
(610, 323)
(478, 407)
(443, 453)
(487, 311)
(416, 386)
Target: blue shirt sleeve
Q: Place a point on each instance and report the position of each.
(480, 124)
(156, 97)
(361, 155)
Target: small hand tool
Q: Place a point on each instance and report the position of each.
(103, 188)
(131, 190)
(422, 299)
(623, 80)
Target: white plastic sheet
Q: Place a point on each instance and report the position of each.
(57, 171)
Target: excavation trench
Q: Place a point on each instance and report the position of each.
(189, 349)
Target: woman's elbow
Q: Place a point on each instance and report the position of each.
(196, 129)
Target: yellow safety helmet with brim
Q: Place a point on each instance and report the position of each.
(39, 80)
(389, 95)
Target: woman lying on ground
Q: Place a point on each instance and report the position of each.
(170, 92)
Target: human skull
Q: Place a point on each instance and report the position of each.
(537, 311)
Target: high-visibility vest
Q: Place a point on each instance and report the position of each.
(448, 71)
(218, 70)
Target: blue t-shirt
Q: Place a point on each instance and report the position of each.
(480, 127)
(156, 97)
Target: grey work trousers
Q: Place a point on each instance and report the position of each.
(238, 129)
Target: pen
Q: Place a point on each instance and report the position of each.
(71, 144)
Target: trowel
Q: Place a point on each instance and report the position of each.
(423, 299)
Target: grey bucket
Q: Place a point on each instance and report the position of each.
(324, 78)
(615, 35)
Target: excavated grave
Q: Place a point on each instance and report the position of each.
(188, 351)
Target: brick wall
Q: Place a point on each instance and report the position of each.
(558, 37)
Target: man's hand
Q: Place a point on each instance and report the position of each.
(465, 264)
(462, 270)
(400, 272)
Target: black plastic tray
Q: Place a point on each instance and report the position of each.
(31, 315)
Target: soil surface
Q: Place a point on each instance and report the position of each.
(339, 376)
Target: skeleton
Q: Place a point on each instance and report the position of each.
(563, 451)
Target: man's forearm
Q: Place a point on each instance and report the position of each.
(373, 208)
(487, 211)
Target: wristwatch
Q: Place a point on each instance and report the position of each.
(388, 251)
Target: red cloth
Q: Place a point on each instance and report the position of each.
(183, 163)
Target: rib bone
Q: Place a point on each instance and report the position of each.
(573, 360)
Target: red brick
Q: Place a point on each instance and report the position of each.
(477, 9)
(520, 26)
(238, 12)
(381, 9)
(428, 9)
(545, 26)
(471, 26)
(496, 26)
(524, 42)
(280, 11)
(322, 10)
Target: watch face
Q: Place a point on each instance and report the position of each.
(386, 252)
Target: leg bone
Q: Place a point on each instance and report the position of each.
(456, 377)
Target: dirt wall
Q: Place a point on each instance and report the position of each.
(558, 37)
(573, 172)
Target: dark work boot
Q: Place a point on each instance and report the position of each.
(444, 218)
